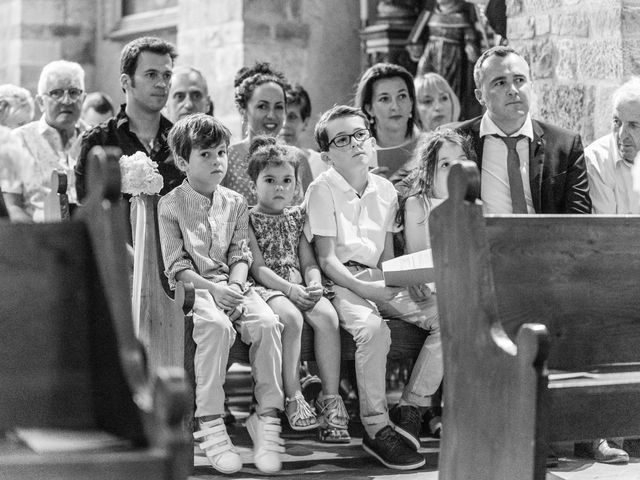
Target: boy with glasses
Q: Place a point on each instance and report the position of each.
(350, 219)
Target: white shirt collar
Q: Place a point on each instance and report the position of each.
(488, 127)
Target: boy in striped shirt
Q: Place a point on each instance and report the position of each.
(204, 238)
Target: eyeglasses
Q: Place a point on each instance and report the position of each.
(58, 93)
(359, 136)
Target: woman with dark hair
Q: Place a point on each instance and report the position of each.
(387, 96)
(260, 96)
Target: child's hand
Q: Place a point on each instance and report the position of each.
(300, 298)
(419, 292)
(225, 296)
(379, 292)
(315, 291)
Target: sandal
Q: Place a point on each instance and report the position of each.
(334, 420)
(302, 412)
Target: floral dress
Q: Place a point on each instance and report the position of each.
(278, 238)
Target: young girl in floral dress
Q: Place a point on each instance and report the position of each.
(289, 280)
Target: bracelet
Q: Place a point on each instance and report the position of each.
(289, 290)
(236, 282)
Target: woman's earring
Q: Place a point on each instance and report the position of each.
(372, 121)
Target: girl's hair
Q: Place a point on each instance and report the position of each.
(268, 152)
(249, 78)
(426, 156)
(380, 71)
(433, 81)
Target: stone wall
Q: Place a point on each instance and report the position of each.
(221, 36)
(579, 52)
(36, 32)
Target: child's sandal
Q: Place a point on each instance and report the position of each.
(335, 420)
(301, 413)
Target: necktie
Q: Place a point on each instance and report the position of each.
(515, 178)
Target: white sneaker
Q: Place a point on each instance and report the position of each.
(217, 446)
(267, 444)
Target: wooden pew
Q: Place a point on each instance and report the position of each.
(166, 332)
(69, 361)
(540, 321)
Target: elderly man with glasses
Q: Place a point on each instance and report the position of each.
(53, 141)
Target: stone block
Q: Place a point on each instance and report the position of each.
(568, 106)
(542, 56)
(630, 57)
(600, 59)
(542, 25)
(566, 66)
(40, 52)
(257, 31)
(606, 22)
(537, 6)
(570, 25)
(293, 32)
(520, 28)
(631, 21)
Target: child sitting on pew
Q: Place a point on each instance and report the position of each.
(204, 238)
(427, 188)
(351, 218)
(290, 282)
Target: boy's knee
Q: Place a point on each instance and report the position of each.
(374, 331)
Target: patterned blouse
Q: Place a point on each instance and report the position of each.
(278, 239)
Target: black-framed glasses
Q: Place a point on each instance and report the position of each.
(58, 93)
(343, 140)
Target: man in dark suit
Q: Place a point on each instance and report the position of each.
(526, 166)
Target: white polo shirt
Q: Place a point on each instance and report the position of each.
(494, 179)
(358, 223)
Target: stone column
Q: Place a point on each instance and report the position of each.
(314, 42)
(579, 52)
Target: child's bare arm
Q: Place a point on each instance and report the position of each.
(340, 274)
(270, 279)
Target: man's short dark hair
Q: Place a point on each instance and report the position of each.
(196, 131)
(133, 49)
(337, 111)
(497, 51)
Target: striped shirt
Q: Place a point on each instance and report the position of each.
(205, 235)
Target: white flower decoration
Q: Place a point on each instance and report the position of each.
(140, 175)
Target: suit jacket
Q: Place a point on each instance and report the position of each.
(557, 170)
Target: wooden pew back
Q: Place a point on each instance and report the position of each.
(69, 359)
(576, 275)
(517, 295)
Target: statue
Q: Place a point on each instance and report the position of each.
(445, 40)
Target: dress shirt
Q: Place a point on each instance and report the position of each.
(44, 145)
(610, 179)
(494, 180)
(358, 223)
(207, 235)
(115, 132)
